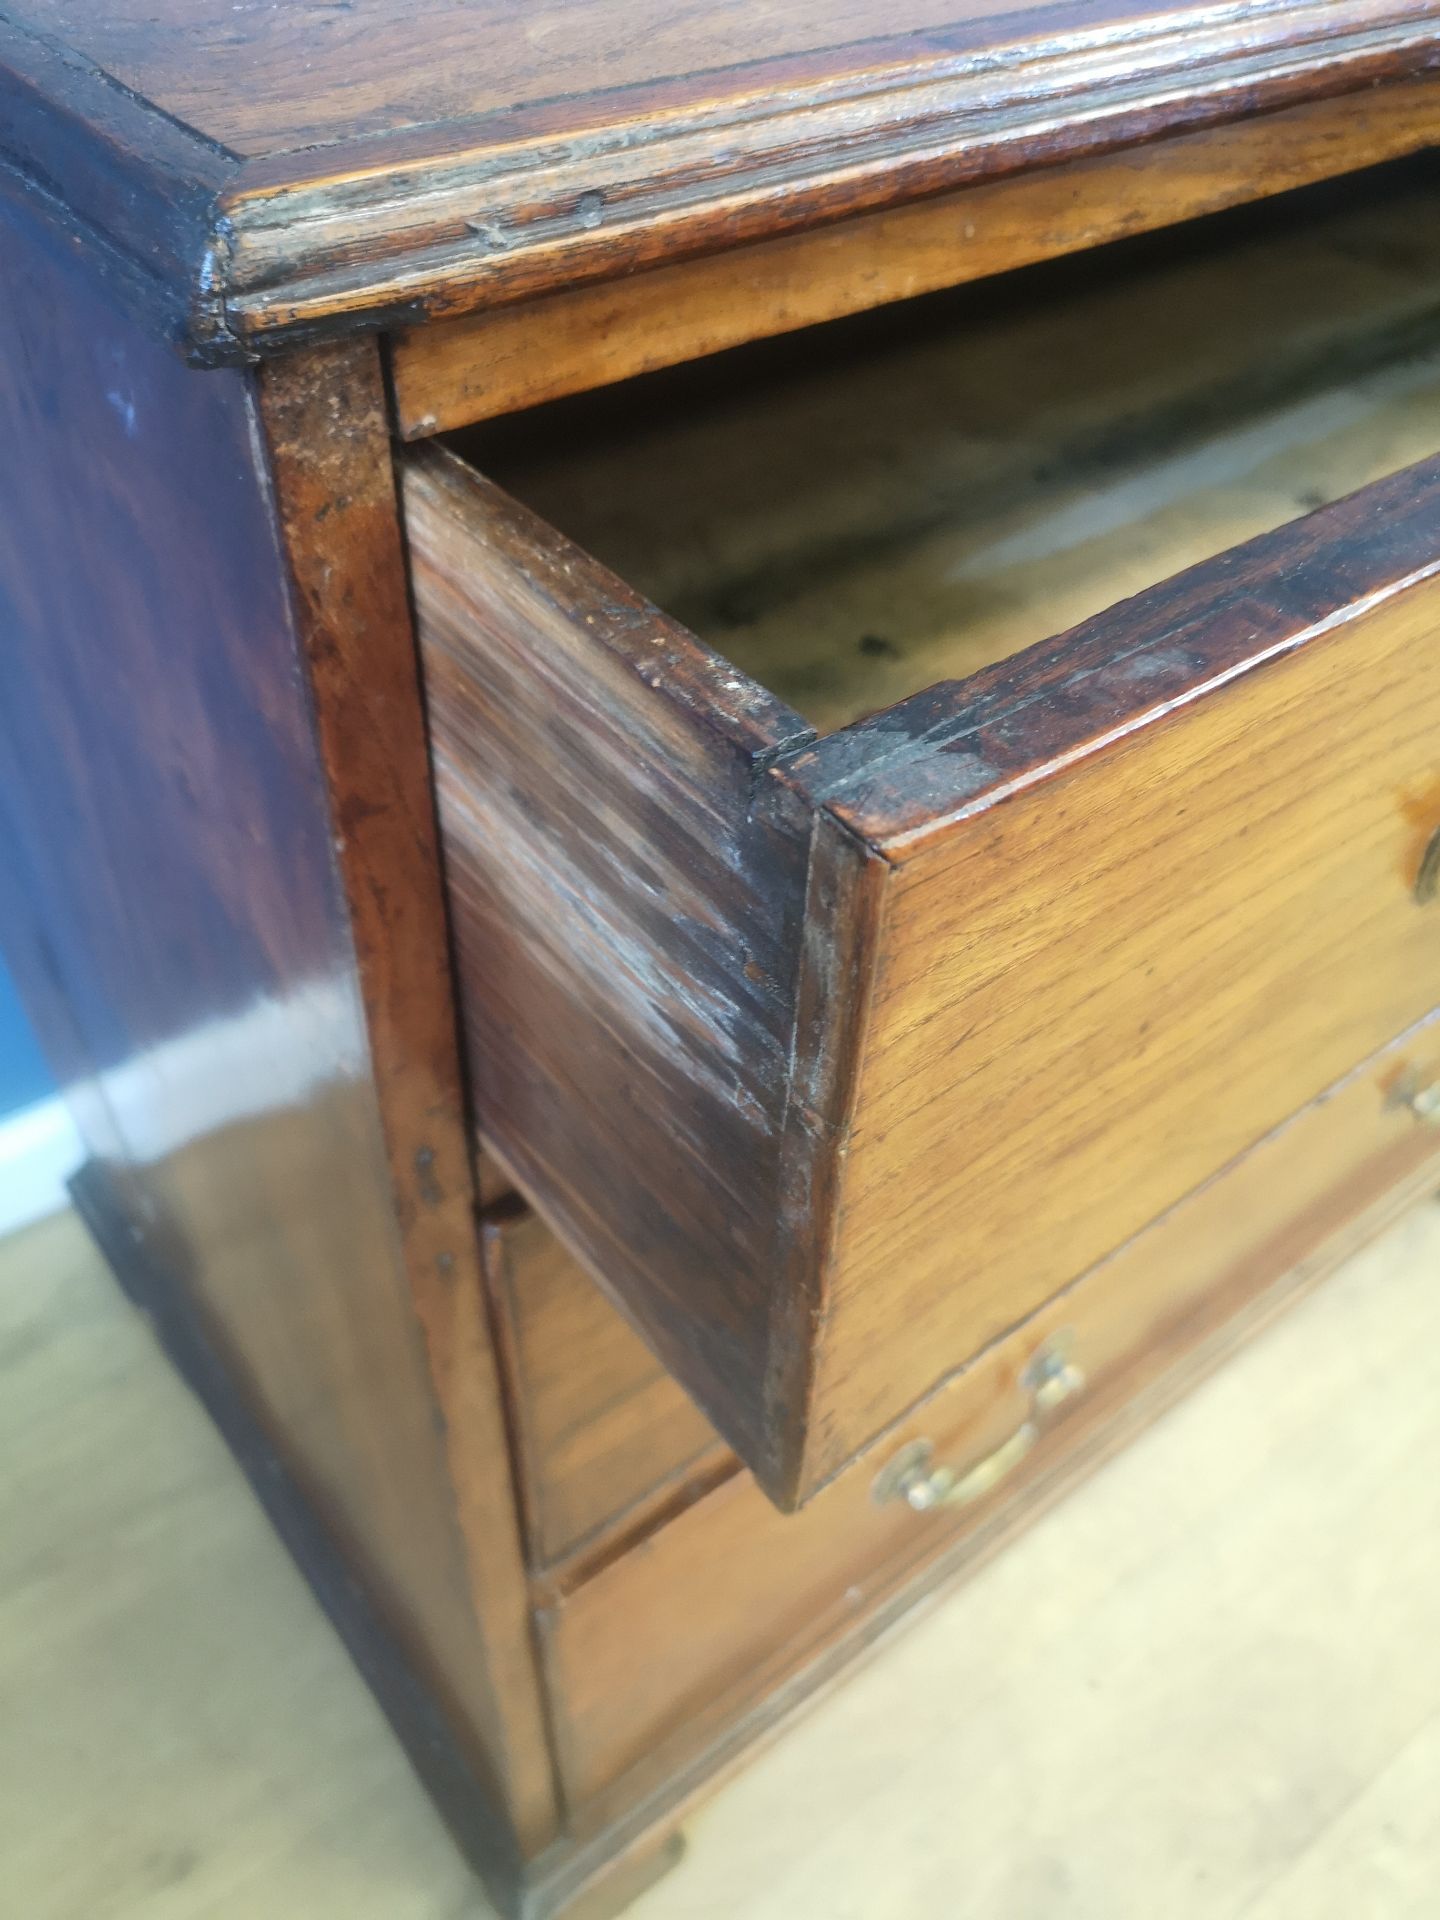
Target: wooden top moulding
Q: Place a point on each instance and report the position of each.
(257, 175)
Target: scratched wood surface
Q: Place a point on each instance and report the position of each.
(625, 927)
(264, 173)
(449, 374)
(330, 76)
(853, 517)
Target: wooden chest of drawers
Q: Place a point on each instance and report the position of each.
(709, 920)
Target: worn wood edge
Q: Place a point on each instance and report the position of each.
(145, 1276)
(136, 189)
(845, 904)
(373, 233)
(675, 664)
(495, 1271)
(452, 374)
(499, 226)
(555, 1573)
(657, 724)
(923, 1581)
(923, 767)
(322, 419)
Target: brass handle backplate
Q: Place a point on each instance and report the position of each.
(1050, 1379)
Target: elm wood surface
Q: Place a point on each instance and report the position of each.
(603, 1433)
(858, 514)
(267, 174)
(751, 1599)
(176, 918)
(786, 1039)
(448, 374)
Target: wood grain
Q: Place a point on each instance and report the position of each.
(175, 917)
(323, 417)
(450, 374)
(604, 1435)
(1248, 928)
(625, 929)
(945, 1118)
(750, 1597)
(441, 158)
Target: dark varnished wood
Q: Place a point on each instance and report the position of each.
(635, 926)
(143, 1268)
(579, 1880)
(695, 940)
(414, 161)
(323, 416)
(177, 916)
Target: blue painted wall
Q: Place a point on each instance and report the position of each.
(24, 1077)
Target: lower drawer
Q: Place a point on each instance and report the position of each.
(654, 1656)
(603, 1433)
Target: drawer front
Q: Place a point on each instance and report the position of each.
(604, 1432)
(652, 1659)
(1134, 953)
(835, 1058)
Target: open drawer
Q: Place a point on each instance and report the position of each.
(836, 1037)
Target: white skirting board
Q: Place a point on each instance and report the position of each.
(39, 1150)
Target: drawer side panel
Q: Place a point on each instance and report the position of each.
(626, 921)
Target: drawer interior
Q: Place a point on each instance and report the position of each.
(868, 509)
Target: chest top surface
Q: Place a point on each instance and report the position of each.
(260, 173)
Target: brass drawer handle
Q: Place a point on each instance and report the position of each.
(1051, 1379)
(1423, 1102)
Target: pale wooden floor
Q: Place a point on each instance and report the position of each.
(1208, 1685)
